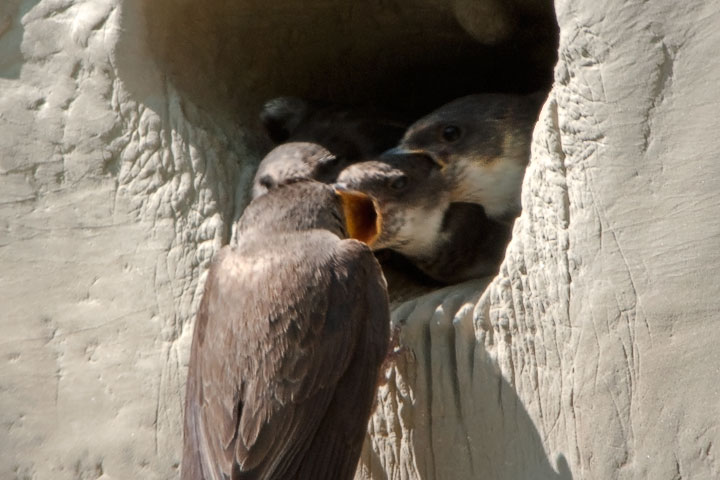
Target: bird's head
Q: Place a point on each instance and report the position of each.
(295, 160)
(410, 193)
(300, 204)
(473, 129)
(467, 128)
(482, 144)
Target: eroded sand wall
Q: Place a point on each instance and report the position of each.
(592, 355)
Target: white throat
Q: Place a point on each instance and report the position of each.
(496, 188)
(420, 233)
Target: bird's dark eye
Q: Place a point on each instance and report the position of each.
(451, 133)
(399, 183)
(267, 181)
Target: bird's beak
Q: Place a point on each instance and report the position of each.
(363, 220)
(403, 151)
(414, 151)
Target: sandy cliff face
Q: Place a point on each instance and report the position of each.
(591, 355)
(115, 195)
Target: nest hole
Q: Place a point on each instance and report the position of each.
(409, 56)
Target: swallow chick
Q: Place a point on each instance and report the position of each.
(289, 339)
(351, 133)
(482, 144)
(448, 241)
(316, 140)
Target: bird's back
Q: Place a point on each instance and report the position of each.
(291, 329)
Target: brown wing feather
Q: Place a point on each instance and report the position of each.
(338, 441)
(200, 453)
(270, 346)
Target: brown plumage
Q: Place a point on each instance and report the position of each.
(289, 338)
(295, 160)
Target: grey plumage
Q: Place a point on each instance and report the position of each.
(448, 241)
(483, 144)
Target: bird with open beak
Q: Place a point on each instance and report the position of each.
(289, 338)
(448, 241)
(482, 144)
